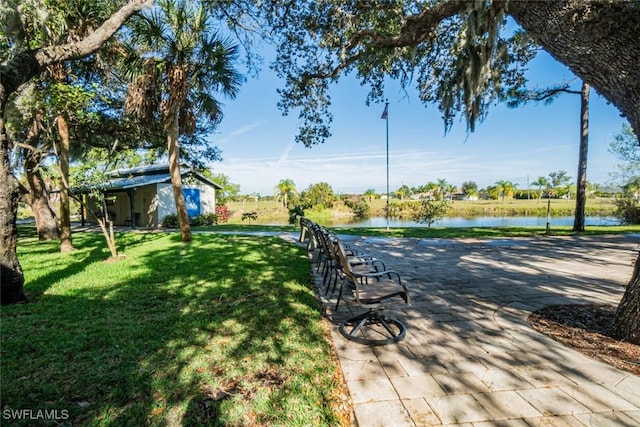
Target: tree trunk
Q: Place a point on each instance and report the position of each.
(603, 50)
(178, 89)
(106, 225)
(18, 70)
(176, 181)
(11, 277)
(37, 195)
(66, 244)
(38, 199)
(581, 185)
(627, 323)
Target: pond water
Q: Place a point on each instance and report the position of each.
(481, 221)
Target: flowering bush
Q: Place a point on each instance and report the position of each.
(222, 214)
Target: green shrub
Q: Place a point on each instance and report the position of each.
(170, 221)
(294, 213)
(429, 211)
(250, 216)
(206, 219)
(358, 206)
(196, 221)
(628, 210)
(402, 209)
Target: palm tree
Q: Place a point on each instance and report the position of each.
(541, 182)
(437, 189)
(442, 185)
(181, 64)
(581, 184)
(450, 190)
(371, 194)
(470, 190)
(403, 192)
(284, 190)
(505, 188)
(558, 181)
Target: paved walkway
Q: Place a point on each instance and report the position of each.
(469, 357)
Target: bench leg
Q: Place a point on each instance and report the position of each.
(373, 328)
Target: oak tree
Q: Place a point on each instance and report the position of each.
(23, 64)
(457, 55)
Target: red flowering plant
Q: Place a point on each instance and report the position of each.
(222, 214)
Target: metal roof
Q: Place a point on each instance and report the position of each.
(137, 181)
(125, 179)
(146, 170)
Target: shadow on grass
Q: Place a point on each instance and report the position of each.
(54, 267)
(247, 228)
(222, 331)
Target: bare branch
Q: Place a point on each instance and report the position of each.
(550, 93)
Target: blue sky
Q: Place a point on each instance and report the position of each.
(258, 147)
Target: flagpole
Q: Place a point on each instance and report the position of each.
(386, 114)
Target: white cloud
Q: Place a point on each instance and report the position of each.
(357, 171)
(238, 132)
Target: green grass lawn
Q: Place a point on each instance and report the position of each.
(270, 211)
(438, 232)
(483, 232)
(223, 331)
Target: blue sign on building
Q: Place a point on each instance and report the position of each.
(192, 200)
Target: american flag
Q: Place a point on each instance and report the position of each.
(385, 113)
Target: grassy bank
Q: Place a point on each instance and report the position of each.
(273, 212)
(224, 331)
(559, 207)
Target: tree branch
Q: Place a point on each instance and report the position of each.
(28, 64)
(550, 93)
(547, 94)
(415, 30)
(93, 41)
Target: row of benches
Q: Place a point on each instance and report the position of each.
(360, 280)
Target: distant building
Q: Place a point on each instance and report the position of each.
(609, 191)
(143, 196)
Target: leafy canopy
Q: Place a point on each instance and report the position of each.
(455, 55)
(626, 147)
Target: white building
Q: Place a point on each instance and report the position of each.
(143, 196)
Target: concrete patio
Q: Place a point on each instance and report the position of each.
(469, 357)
